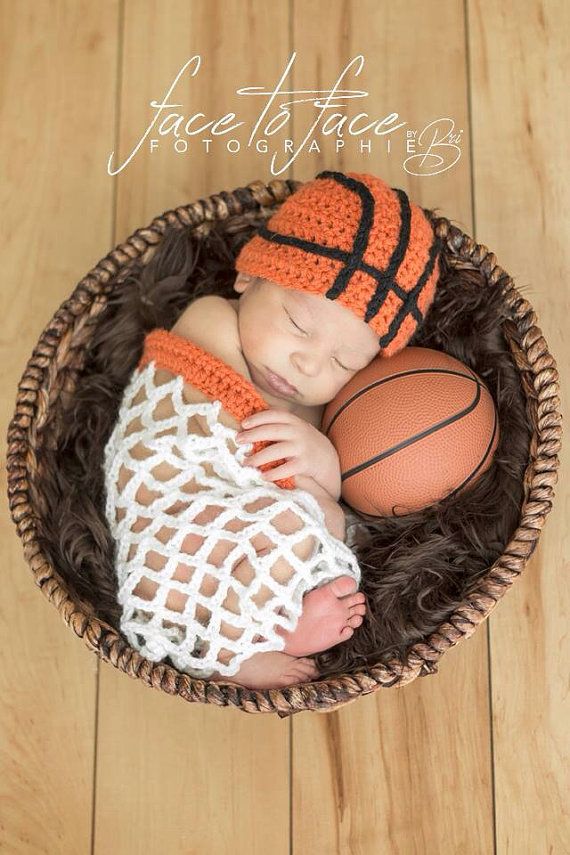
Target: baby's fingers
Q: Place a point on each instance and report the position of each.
(269, 416)
(269, 454)
(286, 470)
(264, 433)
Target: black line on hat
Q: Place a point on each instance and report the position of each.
(379, 296)
(355, 258)
(354, 261)
(386, 277)
(330, 252)
(412, 296)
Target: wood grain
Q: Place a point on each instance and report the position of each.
(471, 760)
(520, 82)
(200, 769)
(379, 756)
(57, 116)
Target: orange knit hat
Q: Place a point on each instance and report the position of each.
(354, 239)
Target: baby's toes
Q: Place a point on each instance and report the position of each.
(355, 621)
(358, 609)
(343, 585)
(356, 599)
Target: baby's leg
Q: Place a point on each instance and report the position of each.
(271, 670)
(332, 612)
(287, 522)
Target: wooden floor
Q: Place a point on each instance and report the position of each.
(473, 760)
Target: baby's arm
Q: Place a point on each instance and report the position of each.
(334, 514)
(328, 476)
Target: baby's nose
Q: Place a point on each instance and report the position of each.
(307, 365)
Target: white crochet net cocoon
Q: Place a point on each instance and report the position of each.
(200, 532)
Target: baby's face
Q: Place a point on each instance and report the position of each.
(316, 344)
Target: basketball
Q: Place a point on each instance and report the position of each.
(411, 430)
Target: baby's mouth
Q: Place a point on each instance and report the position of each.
(262, 379)
(280, 384)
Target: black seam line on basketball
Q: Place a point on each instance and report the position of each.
(375, 383)
(481, 462)
(413, 439)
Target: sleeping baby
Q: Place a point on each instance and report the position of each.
(221, 491)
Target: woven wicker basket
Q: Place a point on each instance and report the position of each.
(56, 363)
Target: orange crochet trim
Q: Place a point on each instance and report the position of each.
(212, 376)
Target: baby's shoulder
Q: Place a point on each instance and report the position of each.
(211, 323)
(198, 316)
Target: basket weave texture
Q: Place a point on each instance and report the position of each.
(51, 375)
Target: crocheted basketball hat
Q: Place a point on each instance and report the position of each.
(354, 239)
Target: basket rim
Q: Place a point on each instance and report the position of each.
(60, 343)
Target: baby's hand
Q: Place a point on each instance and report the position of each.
(306, 450)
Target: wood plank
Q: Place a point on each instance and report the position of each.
(58, 64)
(520, 82)
(172, 776)
(404, 770)
(413, 770)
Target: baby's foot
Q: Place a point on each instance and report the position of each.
(271, 670)
(329, 617)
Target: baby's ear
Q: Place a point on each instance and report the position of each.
(242, 281)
